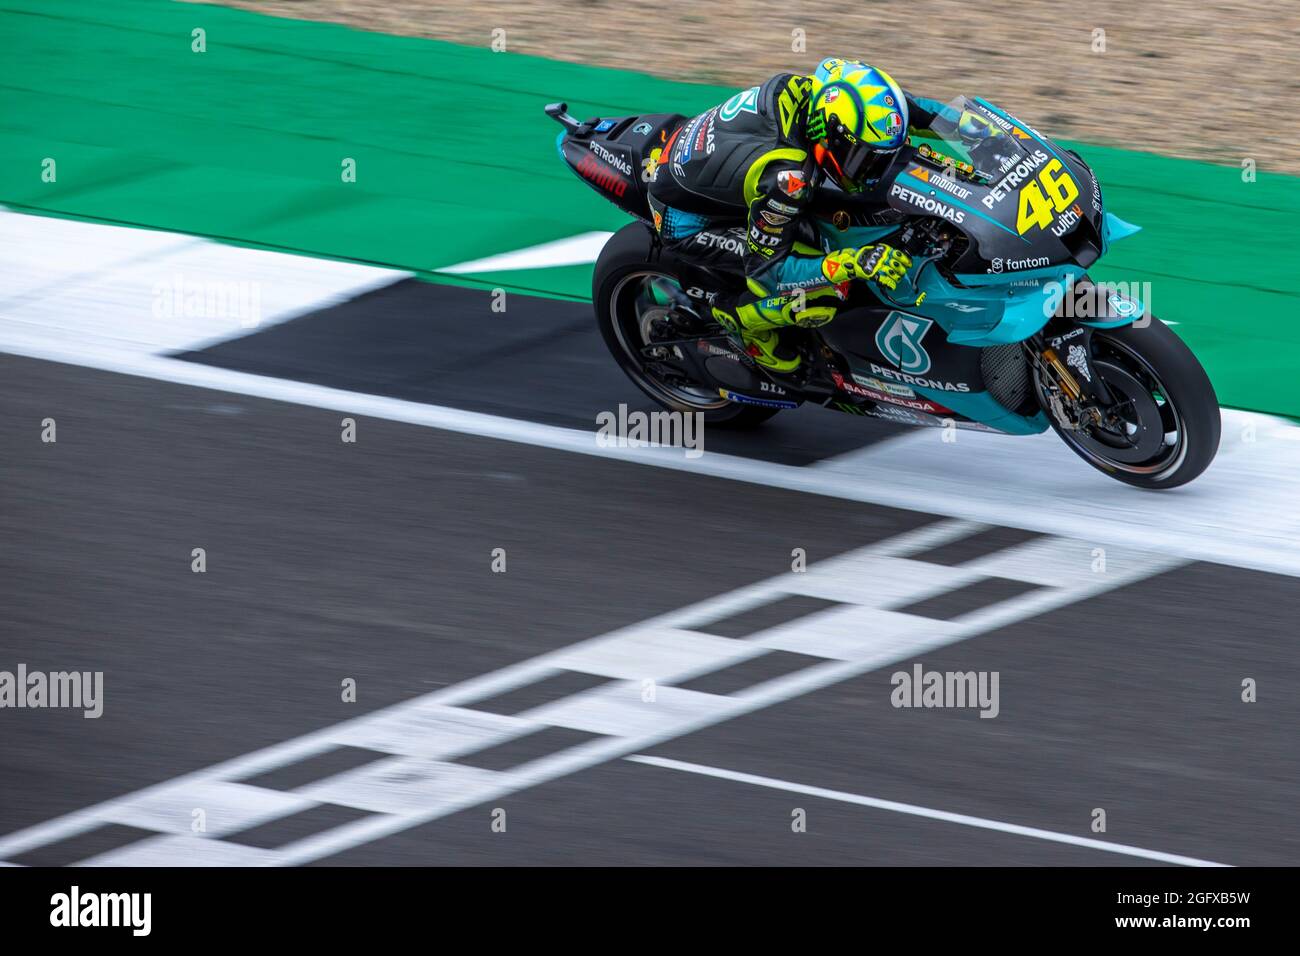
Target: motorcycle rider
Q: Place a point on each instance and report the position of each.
(759, 157)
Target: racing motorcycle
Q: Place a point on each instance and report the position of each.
(996, 325)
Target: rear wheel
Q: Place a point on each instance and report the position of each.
(1163, 428)
(638, 301)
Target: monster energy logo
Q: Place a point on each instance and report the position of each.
(816, 125)
(899, 340)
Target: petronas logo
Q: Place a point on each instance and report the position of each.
(746, 101)
(899, 340)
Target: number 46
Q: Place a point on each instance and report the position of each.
(1037, 209)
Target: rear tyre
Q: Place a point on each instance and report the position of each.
(630, 292)
(1164, 429)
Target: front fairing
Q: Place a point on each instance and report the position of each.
(1023, 202)
(1026, 220)
(1010, 309)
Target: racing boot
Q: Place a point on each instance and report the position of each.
(757, 325)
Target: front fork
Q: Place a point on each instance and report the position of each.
(1061, 355)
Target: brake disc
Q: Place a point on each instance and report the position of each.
(1134, 437)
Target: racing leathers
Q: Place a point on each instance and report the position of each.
(749, 160)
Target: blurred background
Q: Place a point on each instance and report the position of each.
(1202, 82)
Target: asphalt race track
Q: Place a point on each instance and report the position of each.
(539, 361)
(646, 681)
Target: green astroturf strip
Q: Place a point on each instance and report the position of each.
(455, 161)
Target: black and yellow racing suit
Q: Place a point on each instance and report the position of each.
(748, 161)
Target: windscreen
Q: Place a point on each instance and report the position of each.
(977, 140)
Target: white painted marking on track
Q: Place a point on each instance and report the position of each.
(1256, 489)
(422, 780)
(1241, 512)
(117, 290)
(574, 251)
(893, 806)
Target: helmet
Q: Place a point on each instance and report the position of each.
(857, 120)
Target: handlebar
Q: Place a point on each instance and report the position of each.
(560, 113)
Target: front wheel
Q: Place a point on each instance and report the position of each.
(634, 299)
(1163, 428)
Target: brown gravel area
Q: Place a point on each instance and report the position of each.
(1216, 81)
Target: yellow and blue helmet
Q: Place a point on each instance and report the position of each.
(857, 119)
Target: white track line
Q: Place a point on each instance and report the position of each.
(1242, 512)
(114, 289)
(82, 293)
(422, 781)
(107, 325)
(913, 810)
(576, 250)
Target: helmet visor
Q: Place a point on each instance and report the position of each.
(863, 162)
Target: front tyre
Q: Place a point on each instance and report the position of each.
(632, 295)
(1163, 429)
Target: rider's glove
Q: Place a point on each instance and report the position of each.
(880, 263)
(883, 264)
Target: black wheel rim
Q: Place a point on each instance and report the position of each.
(1144, 432)
(637, 302)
